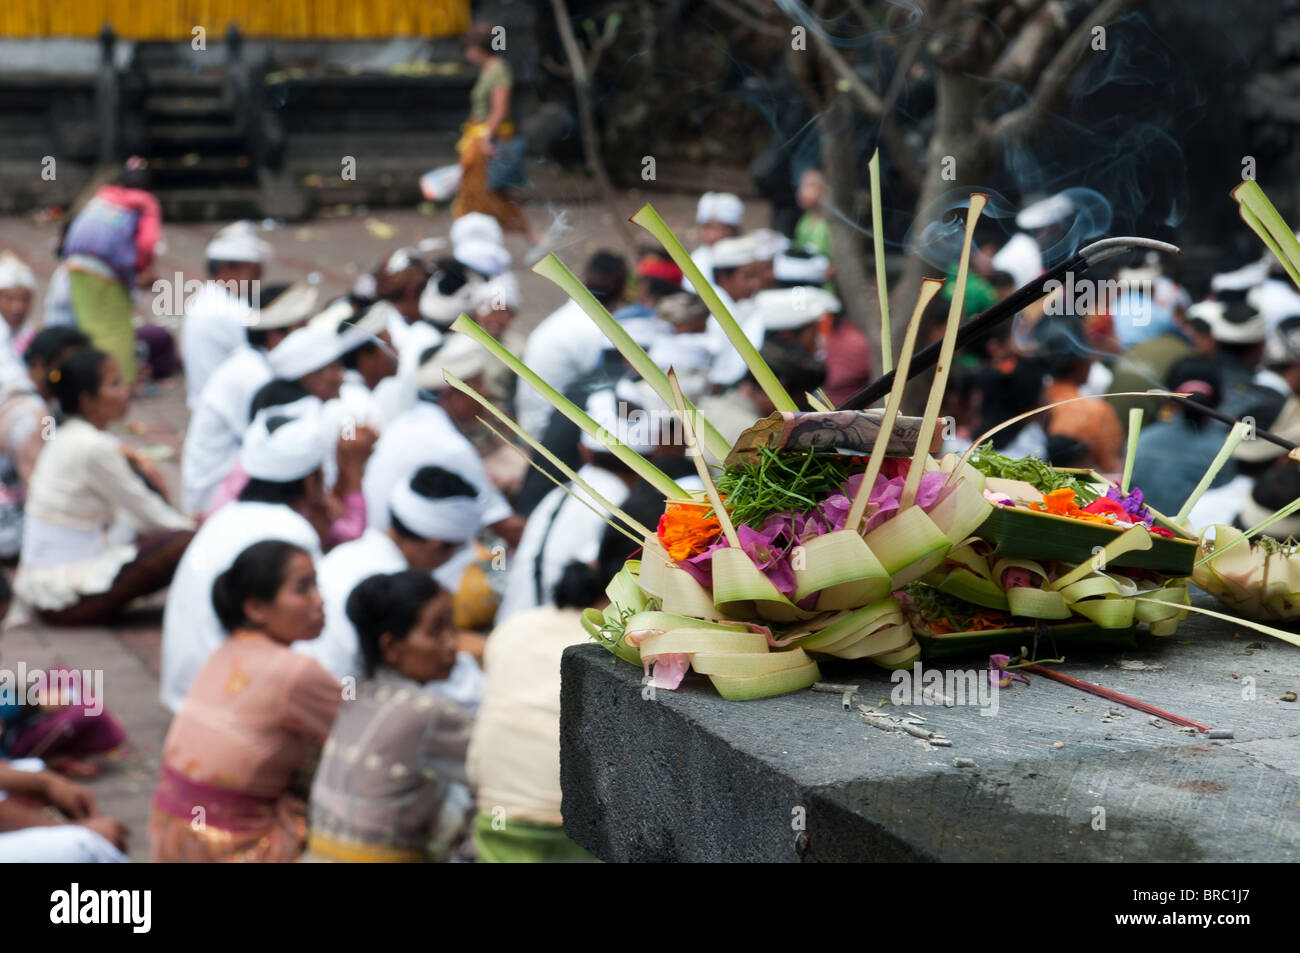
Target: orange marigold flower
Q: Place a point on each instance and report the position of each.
(1061, 503)
(686, 529)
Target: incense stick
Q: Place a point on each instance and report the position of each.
(1114, 696)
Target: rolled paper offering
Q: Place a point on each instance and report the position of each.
(839, 431)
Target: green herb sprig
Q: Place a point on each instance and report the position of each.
(780, 483)
(1031, 470)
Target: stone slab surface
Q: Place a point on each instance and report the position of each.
(686, 775)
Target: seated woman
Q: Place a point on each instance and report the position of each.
(391, 785)
(514, 754)
(25, 413)
(83, 482)
(251, 721)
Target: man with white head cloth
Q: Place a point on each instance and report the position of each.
(284, 499)
(428, 434)
(475, 226)
(567, 344)
(563, 528)
(717, 216)
(218, 421)
(433, 515)
(737, 277)
(216, 316)
(17, 286)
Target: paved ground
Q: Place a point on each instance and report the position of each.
(338, 248)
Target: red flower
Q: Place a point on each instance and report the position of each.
(1161, 531)
(1105, 506)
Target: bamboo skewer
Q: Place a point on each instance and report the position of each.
(878, 240)
(944, 363)
(929, 288)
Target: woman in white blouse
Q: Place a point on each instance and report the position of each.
(70, 570)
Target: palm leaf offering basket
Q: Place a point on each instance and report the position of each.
(830, 534)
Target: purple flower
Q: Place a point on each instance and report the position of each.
(1133, 504)
(700, 566)
(999, 675)
(768, 555)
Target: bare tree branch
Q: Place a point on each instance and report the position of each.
(1055, 77)
(586, 113)
(749, 18)
(867, 99)
(900, 155)
(1031, 44)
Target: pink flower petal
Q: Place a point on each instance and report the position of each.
(669, 670)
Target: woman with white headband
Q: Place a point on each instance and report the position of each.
(284, 499)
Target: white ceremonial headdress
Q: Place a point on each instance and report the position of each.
(238, 241)
(1252, 330)
(784, 309)
(460, 355)
(443, 310)
(15, 273)
(475, 226)
(293, 305)
(487, 258)
(454, 519)
(309, 349)
(734, 252)
(719, 207)
(812, 270)
(282, 447)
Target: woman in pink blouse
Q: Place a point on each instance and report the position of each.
(238, 759)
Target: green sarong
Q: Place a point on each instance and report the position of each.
(523, 842)
(104, 314)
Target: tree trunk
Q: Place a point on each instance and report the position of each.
(843, 170)
(956, 136)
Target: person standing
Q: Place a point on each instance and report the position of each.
(491, 154)
(109, 252)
